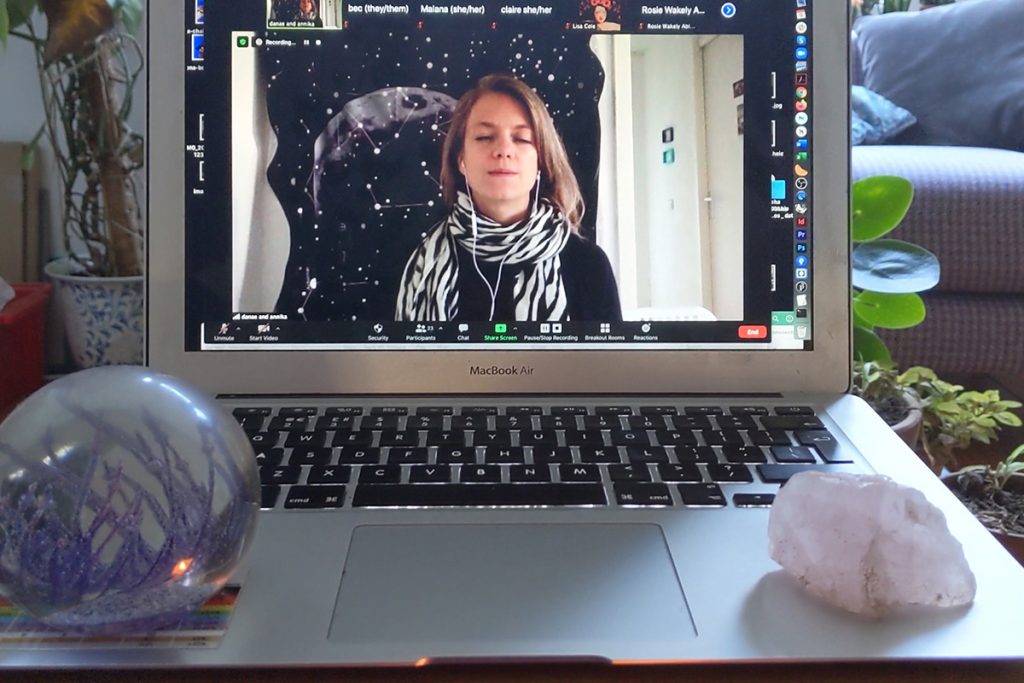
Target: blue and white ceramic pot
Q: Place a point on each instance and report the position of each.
(103, 316)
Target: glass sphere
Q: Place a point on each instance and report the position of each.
(127, 498)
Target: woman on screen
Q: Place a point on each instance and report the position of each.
(509, 248)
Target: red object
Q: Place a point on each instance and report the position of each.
(22, 323)
(753, 331)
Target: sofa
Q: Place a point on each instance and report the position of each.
(958, 70)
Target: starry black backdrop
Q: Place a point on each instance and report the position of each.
(377, 192)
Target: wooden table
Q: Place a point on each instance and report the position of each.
(950, 672)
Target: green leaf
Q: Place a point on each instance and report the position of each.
(129, 12)
(20, 11)
(868, 346)
(5, 23)
(894, 267)
(889, 311)
(879, 204)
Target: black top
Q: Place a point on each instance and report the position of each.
(590, 288)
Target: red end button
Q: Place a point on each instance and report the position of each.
(753, 332)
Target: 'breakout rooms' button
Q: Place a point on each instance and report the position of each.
(753, 332)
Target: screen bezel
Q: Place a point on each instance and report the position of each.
(826, 368)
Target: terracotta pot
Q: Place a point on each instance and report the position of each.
(1014, 543)
(910, 428)
(103, 316)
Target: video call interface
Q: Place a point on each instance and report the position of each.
(581, 174)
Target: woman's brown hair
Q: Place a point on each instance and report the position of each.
(558, 182)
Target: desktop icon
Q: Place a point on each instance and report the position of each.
(801, 261)
(800, 208)
(801, 3)
(801, 65)
(801, 144)
(801, 273)
(801, 183)
(801, 300)
(800, 286)
(801, 131)
(801, 156)
(801, 27)
(800, 171)
(801, 53)
(778, 188)
(801, 234)
(801, 248)
(801, 92)
(801, 14)
(801, 119)
(801, 221)
(801, 196)
(801, 40)
(800, 105)
(800, 79)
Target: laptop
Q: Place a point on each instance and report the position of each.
(447, 478)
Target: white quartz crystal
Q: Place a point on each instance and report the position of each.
(867, 544)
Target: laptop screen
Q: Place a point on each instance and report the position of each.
(610, 174)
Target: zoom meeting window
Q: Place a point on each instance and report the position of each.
(543, 175)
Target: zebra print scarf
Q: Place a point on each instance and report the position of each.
(429, 291)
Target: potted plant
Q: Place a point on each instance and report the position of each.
(888, 274)
(954, 418)
(883, 387)
(995, 494)
(88, 63)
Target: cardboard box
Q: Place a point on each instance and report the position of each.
(20, 236)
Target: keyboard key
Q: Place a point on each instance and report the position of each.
(446, 437)
(448, 455)
(380, 474)
(602, 422)
(579, 473)
(551, 455)
(269, 457)
(310, 455)
(268, 496)
(590, 437)
(569, 410)
(683, 472)
(667, 437)
(334, 423)
(524, 410)
(791, 422)
(780, 474)
(658, 410)
(480, 495)
(297, 412)
(244, 412)
(306, 439)
(352, 455)
(744, 454)
(748, 410)
(753, 500)
(688, 422)
(642, 494)
(646, 422)
(360, 438)
(514, 422)
(251, 423)
(529, 473)
(263, 439)
(600, 455)
(315, 497)
(743, 422)
(825, 443)
(469, 422)
(793, 454)
(644, 454)
(613, 410)
(504, 455)
(492, 438)
(696, 454)
(408, 456)
(729, 473)
(378, 421)
(558, 422)
(544, 437)
(480, 410)
(621, 437)
(637, 472)
(296, 423)
(399, 437)
(480, 474)
(329, 474)
(389, 410)
(435, 410)
(701, 495)
(794, 410)
(282, 474)
(775, 437)
(424, 422)
(727, 437)
(343, 410)
(430, 474)
(703, 410)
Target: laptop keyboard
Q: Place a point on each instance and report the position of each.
(437, 456)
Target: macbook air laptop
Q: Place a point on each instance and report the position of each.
(528, 309)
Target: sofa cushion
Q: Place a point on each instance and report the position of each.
(968, 208)
(958, 68)
(875, 119)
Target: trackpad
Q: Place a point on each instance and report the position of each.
(491, 588)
